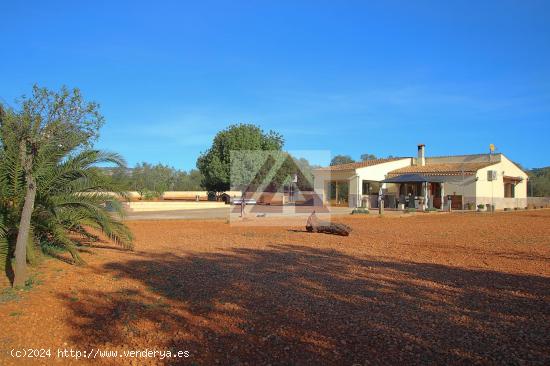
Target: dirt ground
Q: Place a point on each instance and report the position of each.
(425, 289)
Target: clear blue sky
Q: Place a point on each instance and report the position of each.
(332, 75)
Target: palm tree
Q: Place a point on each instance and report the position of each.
(73, 198)
(51, 190)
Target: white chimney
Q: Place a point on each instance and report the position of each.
(421, 161)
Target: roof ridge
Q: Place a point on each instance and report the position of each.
(455, 156)
(360, 164)
(444, 168)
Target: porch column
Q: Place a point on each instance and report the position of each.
(442, 190)
(359, 193)
(426, 205)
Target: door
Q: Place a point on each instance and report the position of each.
(339, 191)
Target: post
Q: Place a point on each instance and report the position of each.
(380, 201)
(242, 204)
(442, 193)
(463, 192)
(426, 203)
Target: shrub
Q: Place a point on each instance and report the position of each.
(359, 210)
(481, 206)
(148, 195)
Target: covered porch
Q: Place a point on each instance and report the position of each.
(418, 191)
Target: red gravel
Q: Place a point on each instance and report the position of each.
(430, 288)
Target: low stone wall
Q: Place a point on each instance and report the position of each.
(143, 206)
(538, 201)
(512, 203)
(191, 195)
(173, 195)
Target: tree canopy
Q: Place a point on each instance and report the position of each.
(50, 187)
(341, 159)
(539, 182)
(157, 179)
(366, 156)
(216, 163)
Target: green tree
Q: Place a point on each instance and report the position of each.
(216, 163)
(539, 182)
(148, 179)
(154, 178)
(43, 141)
(365, 157)
(341, 159)
(188, 181)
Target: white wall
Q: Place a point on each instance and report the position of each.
(322, 178)
(377, 173)
(355, 177)
(493, 191)
(465, 187)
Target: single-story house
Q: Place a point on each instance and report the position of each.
(461, 180)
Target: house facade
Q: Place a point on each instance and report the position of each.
(459, 181)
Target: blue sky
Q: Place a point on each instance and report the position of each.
(349, 77)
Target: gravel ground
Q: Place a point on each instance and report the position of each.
(426, 289)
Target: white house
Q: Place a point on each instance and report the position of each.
(462, 179)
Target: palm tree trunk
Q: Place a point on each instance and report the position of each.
(20, 273)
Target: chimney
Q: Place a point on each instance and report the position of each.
(421, 161)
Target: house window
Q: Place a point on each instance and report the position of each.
(509, 190)
(370, 187)
(365, 187)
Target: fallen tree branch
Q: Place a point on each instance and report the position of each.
(317, 226)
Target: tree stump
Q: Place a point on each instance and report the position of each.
(316, 226)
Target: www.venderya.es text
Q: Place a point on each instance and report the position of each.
(97, 353)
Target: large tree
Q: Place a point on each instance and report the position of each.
(539, 182)
(188, 181)
(47, 125)
(341, 159)
(366, 156)
(156, 178)
(216, 163)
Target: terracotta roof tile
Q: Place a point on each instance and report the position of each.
(442, 169)
(361, 164)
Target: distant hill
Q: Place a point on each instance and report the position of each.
(539, 182)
